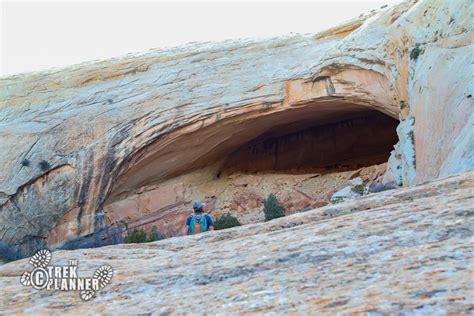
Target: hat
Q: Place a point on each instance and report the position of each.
(198, 204)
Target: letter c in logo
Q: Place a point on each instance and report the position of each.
(39, 278)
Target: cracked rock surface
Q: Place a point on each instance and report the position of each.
(402, 251)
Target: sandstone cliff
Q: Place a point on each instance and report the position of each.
(407, 251)
(75, 141)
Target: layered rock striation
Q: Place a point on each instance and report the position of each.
(74, 141)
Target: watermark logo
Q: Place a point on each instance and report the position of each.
(64, 278)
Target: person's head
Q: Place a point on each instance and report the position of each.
(198, 206)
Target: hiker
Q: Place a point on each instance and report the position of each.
(199, 221)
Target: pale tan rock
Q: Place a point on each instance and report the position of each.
(402, 251)
(108, 129)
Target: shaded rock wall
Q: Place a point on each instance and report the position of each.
(355, 143)
(128, 122)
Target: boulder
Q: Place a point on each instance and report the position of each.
(355, 189)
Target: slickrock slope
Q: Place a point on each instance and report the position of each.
(75, 140)
(408, 250)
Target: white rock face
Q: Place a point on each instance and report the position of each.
(406, 138)
(462, 156)
(74, 139)
(394, 167)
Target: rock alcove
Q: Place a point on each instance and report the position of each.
(235, 162)
(314, 137)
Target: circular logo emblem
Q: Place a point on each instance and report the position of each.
(39, 278)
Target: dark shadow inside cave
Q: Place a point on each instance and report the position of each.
(304, 147)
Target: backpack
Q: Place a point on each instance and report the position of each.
(198, 224)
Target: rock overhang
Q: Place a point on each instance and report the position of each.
(337, 93)
(186, 149)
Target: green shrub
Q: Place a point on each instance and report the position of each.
(415, 52)
(136, 236)
(226, 221)
(155, 234)
(359, 189)
(140, 235)
(272, 208)
(44, 165)
(25, 163)
(403, 104)
(337, 200)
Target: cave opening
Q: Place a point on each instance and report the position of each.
(360, 140)
(323, 136)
